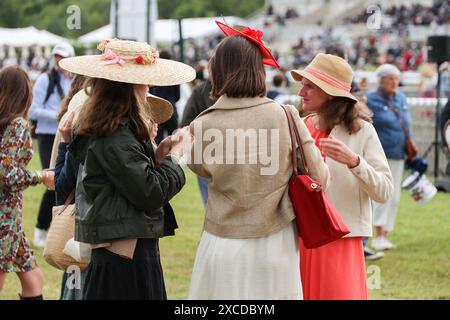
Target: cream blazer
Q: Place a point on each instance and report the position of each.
(351, 190)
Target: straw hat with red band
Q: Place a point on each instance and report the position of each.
(330, 73)
(255, 36)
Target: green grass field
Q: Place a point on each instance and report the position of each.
(418, 269)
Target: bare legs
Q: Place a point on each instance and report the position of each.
(32, 282)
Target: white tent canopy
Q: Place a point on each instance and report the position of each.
(167, 29)
(27, 37)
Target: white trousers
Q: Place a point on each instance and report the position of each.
(384, 214)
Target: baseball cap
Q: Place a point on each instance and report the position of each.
(64, 50)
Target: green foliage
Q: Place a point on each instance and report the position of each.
(200, 8)
(52, 14)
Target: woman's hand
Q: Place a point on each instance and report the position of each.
(48, 179)
(176, 144)
(154, 131)
(338, 151)
(163, 149)
(182, 140)
(66, 129)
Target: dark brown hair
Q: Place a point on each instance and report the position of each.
(237, 69)
(346, 112)
(15, 94)
(108, 104)
(77, 85)
(278, 80)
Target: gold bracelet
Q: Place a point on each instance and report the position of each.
(40, 176)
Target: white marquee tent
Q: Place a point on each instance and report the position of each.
(167, 29)
(27, 37)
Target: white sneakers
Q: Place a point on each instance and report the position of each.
(370, 254)
(40, 236)
(381, 243)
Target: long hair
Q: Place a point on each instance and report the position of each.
(346, 112)
(108, 104)
(77, 85)
(15, 94)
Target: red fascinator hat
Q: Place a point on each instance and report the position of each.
(255, 36)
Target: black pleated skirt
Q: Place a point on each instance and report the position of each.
(111, 277)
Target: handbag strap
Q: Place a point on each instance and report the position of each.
(394, 109)
(296, 142)
(68, 201)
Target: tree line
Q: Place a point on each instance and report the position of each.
(52, 15)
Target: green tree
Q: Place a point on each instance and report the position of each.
(208, 8)
(52, 14)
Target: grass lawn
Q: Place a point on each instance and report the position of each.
(418, 269)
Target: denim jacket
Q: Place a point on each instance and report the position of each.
(387, 124)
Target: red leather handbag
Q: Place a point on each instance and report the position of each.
(318, 221)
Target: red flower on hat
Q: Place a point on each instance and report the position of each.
(140, 60)
(255, 34)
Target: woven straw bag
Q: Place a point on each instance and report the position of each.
(61, 230)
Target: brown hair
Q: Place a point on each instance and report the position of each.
(237, 69)
(15, 94)
(346, 112)
(77, 85)
(109, 103)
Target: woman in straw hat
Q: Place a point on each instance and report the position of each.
(359, 172)
(16, 151)
(66, 166)
(124, 185)
(249, 247)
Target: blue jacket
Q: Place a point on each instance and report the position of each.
(66, 171)
(387, 124)
(46, 112)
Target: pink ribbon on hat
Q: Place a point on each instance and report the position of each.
(112, 58)
(328, 79)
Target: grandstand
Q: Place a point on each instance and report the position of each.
(348, 19)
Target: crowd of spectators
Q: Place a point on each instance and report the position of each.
(415, 14)
(362, 52)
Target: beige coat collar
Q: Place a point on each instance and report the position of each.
(227, 103)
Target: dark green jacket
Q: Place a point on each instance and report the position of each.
(121, 193)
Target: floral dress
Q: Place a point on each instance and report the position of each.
(15, 153)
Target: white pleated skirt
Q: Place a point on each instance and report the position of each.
(247, 269)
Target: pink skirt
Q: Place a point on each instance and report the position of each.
(335, 271)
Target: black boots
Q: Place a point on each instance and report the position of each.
(31, 298)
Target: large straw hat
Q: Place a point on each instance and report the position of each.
(161, 110)
(130, 62)
(330, 73)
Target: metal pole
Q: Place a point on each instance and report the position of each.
(153, 22)
(116, 18)
(147, 22)
(438, 123)
(181, 41)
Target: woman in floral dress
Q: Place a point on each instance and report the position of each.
(15, 153)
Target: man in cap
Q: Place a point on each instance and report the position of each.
(48, 92)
